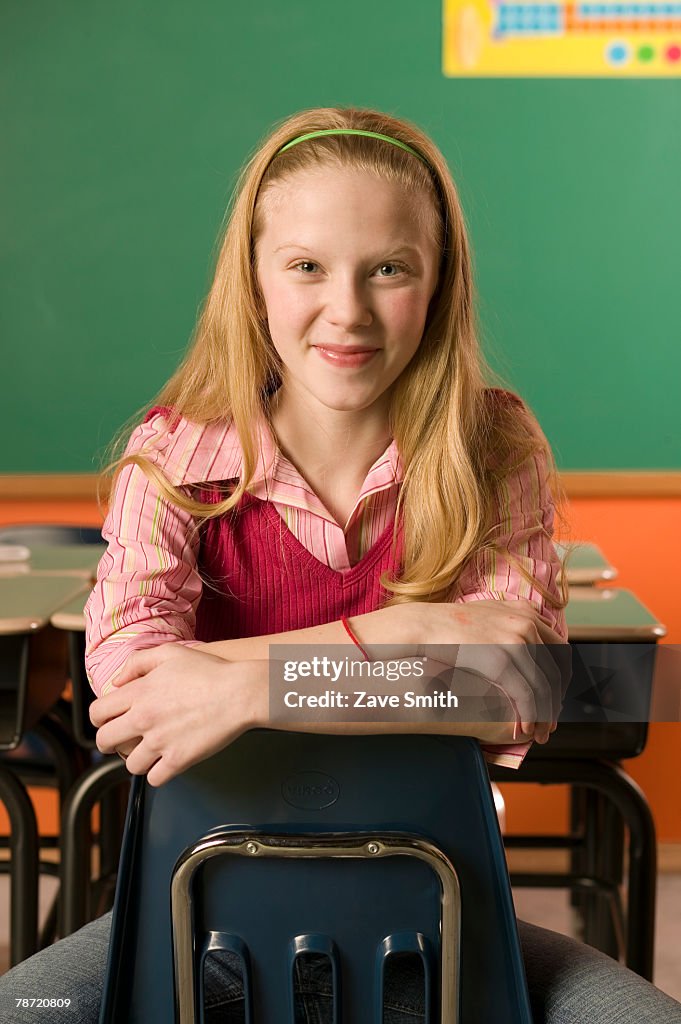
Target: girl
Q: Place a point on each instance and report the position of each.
(329, 449)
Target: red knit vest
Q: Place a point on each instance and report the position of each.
(259, 578)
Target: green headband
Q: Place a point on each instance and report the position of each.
(353, 131)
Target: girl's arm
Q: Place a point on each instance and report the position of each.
(209, 702)
(524, 517)
(147, 588)
(399, 631)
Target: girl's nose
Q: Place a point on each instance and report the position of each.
(348, 305)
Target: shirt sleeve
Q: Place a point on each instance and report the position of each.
(523, 503)
(148, 586)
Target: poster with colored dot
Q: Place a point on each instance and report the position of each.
(498, 38)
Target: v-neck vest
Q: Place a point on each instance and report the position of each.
(259, 579)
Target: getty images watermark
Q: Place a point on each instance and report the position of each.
(368, 676)
(605, 683)
(334, 683)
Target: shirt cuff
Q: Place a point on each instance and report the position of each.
(110, 657)
(506, 756)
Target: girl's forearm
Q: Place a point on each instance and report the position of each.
(397, 630)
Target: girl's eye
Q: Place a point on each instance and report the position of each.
(308, 266)
(396, 268)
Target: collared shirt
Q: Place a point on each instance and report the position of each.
(148, 586)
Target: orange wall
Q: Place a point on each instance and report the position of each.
(640, 538)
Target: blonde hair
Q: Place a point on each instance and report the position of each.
(458, 439)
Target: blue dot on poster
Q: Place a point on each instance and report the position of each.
(617, 53)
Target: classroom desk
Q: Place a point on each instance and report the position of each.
(587, 565)
(76, 560)
(604, 720)
(31, 591)
(70, 616)
(610, 615)
(27, 600)
(106, 783)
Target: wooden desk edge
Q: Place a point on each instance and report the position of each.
(19, 626)
(70, 621)
(587, 577)
(608, 634)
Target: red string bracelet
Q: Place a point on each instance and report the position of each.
(354, 638)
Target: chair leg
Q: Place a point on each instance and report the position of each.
(630, 804)
(596, 905)
(69, 761)
(24, 876)
(623, 803)
(48, 932)
(611, 867)
(77, 840)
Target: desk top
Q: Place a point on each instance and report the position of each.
(595, 614)
(70, 615)
(27, 602)
(587, 565)
(79, 560)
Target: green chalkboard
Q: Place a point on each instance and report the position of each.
(124, 126)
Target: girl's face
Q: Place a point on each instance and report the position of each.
(346, 268)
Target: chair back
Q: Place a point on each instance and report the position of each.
(361, 848)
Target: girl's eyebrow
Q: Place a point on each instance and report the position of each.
(406, 250)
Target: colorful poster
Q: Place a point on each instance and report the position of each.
(609, 39)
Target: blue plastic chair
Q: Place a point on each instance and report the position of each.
(360, 848)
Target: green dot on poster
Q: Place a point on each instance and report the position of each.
(645, 53)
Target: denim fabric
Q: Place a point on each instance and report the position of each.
(569, 983)
(403, 1002)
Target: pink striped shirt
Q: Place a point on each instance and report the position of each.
(148, 586)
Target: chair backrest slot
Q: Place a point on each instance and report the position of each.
(316, 956)
(407, 959)
(224, 971)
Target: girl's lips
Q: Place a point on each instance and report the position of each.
(346, 358)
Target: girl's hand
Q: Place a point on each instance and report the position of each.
(506, 644)
(173, 706)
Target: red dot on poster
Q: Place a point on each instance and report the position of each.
(673, 53)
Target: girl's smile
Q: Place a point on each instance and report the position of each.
(346, 356)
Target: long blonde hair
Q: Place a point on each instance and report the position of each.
(458, 439)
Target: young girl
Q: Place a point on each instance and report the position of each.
(329, 464)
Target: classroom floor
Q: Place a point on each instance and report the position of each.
(551, 909)
(545, 907)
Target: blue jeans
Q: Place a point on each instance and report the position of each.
(569, 983)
